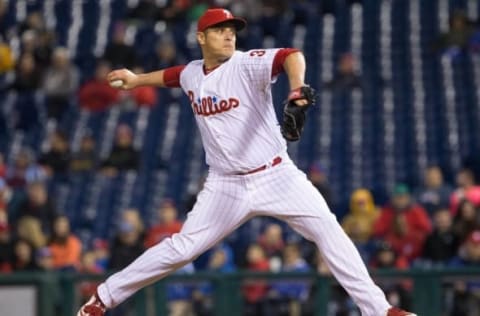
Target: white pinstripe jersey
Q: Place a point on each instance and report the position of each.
(234, 110)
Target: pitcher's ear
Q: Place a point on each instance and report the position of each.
(201, 38)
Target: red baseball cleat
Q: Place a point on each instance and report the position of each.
(94, 307)
(398, 312)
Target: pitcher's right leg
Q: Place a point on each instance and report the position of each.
(221, 207)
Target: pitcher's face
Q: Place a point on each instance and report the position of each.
(218, 41)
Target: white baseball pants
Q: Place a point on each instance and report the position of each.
(226, 202)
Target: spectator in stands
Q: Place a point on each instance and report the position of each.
(45, 43)
(123, 156)
(6, 245)
(56, 161)
(96, 94)
(457, 38)
(66, 248)
(405, 240)
(358, 224)
(28, 42)
(272, 242)
(7, 61)
(33, 22)
(435, 193)
(220, 261)
(27, 74)
(397, 291)
(89, 266)
(466, 189)
(118, 53)
(402, 209)
(347, 77)
(35, 173)
(166, 54)
(466, 300)
(24, 170)
(442, 244)
(318, 176)
(255, 291)
(23, 257)
(85, 159)
(15, 174)
(133, 217)
(30, 229)
(44, 259)
(59, 83)
(286, 297)
(89, 263)
(36, 39)
(38, 205)
(102, 255)
(179, 295)
(127, 246)
(466, 220)
(167, 225)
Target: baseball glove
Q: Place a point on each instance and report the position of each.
(294, 115)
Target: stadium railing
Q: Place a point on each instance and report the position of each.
(58, 293)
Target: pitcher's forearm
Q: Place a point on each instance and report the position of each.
(154, 78)
(130, 80)
(294, 66)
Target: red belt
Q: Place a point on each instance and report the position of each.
(275, 162)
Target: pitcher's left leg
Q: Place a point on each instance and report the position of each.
(287, 194)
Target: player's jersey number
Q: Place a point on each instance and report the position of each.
(258, 53)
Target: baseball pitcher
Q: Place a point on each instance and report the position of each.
(250, 172)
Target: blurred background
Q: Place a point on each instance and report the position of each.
(91, 176)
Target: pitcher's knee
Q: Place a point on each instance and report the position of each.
(185, 248)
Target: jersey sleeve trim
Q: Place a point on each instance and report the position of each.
(171, 76)
(279, 59)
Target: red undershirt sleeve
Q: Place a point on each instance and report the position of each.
(171, 76)
(279, 59)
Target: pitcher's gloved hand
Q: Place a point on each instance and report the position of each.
(294, 114)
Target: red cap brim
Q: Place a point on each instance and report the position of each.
(214, 17)
(239, 24)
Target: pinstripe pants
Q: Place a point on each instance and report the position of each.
(225, 203)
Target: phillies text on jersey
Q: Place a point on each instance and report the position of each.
(234, 111)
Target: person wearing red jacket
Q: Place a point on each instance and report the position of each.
(415, 216)
(167, 226)
(255, 291)
(96, 94)
(405, 241)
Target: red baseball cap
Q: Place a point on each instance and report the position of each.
(212, 17)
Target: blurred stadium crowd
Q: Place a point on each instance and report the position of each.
(49, 83)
